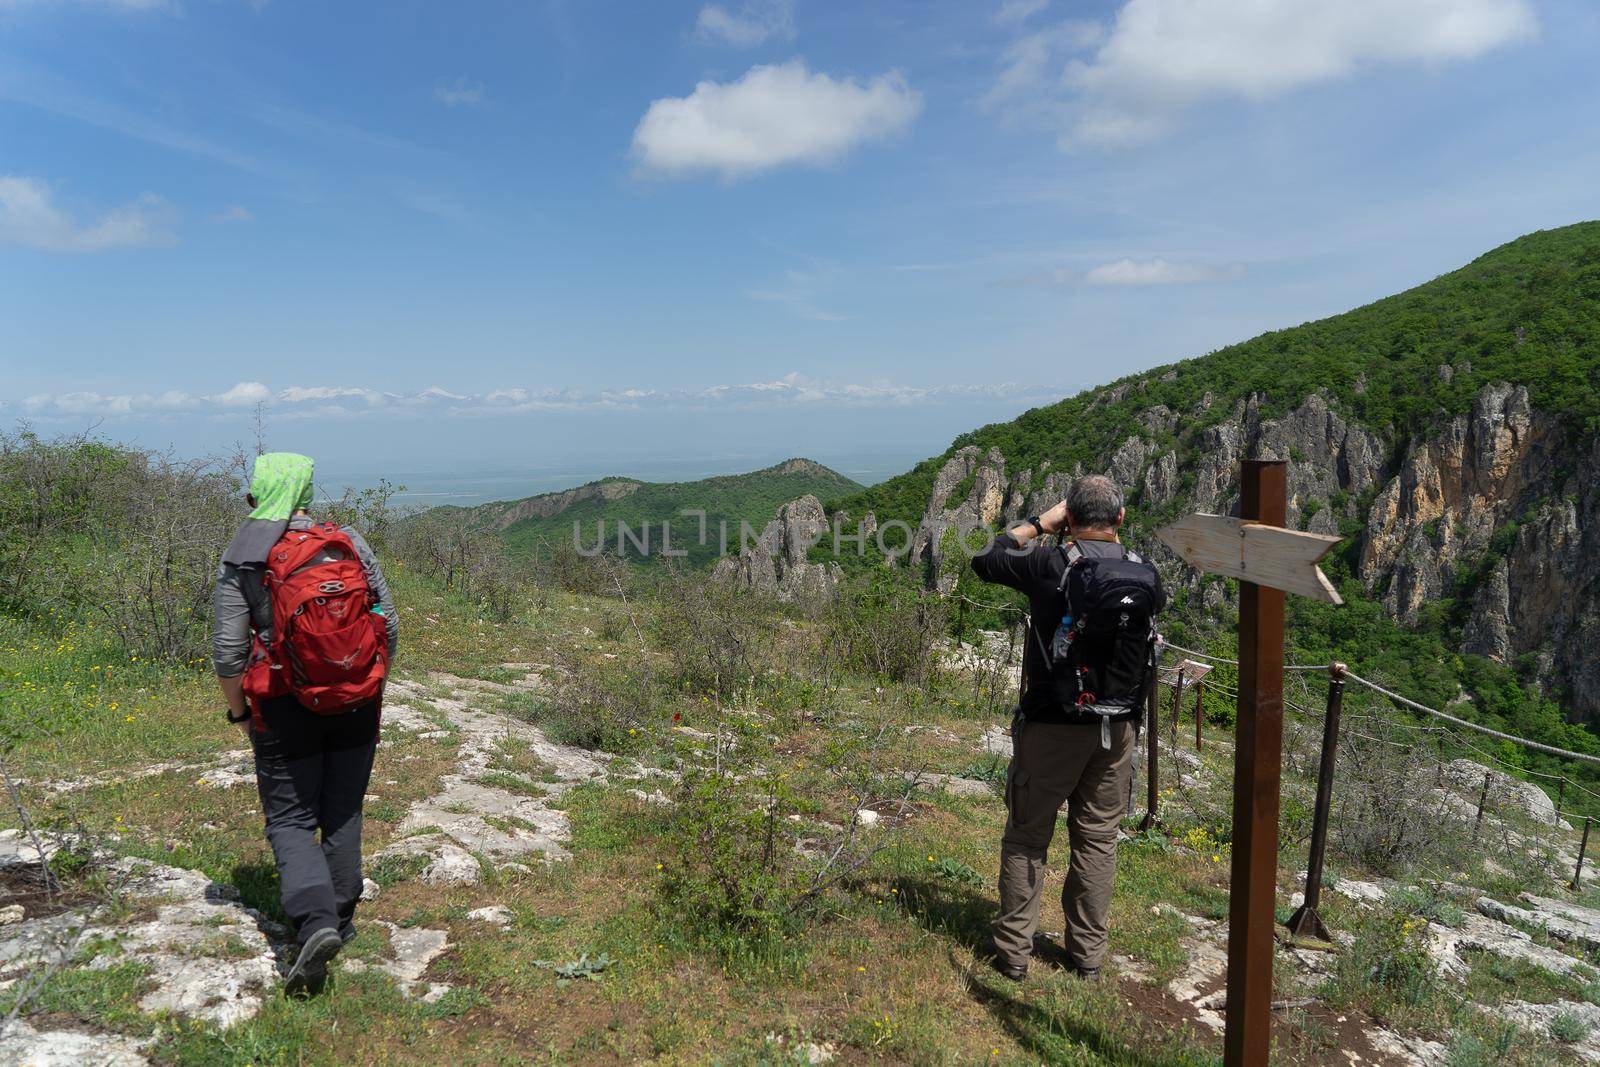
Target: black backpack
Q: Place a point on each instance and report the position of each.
(1102, 654)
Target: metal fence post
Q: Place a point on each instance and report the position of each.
(1307, 921)
(1583, 847)
(1561, 796)
(1177, 697)
(1152, 756)
(1483, 798)
(1199, 711)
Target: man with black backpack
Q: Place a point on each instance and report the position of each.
(303, 635)
(1086, 667)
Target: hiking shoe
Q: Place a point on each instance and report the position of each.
(1088, 974)
(1014, 972)
(347, 933)
(310, 968)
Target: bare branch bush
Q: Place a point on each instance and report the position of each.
(1385, 816)
(469, 561)
(370, 511)
(712, 634)
(54, 497)
(152, 582)
(885, 628)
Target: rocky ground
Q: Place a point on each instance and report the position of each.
(204, 955)
(475, 805)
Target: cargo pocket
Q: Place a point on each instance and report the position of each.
(1016, 795)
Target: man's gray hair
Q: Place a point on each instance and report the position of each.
(1094, 501)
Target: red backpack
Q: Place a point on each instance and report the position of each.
(329, 642)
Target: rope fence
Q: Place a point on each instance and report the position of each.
(1369, 728)
(1537, 746)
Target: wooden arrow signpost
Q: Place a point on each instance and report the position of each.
(1268, 560)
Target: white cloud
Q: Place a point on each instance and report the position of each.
(29, 216)
(234, 213)
(756, 21)
(305, 401)
(459, 93)
(1019, 10)
(1161, 57)
(299, 394)
(245, 394)
(772, 116)
(1160, 272)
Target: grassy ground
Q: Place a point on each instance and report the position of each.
(882, 966)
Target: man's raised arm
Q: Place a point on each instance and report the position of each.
(1007, 560)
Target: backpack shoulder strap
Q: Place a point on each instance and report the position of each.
(1073, 554)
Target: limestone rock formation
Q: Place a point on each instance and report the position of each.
(777, 561)
(1494, 507)
(981, 480)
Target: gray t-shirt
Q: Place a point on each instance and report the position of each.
(240, 605)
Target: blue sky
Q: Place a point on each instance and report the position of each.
(552, 240)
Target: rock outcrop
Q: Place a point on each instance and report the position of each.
(968, 497)
(546, 505)
(1495, 506)
(777, 562)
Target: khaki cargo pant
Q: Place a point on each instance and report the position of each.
(1052, 763)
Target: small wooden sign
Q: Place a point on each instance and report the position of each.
(1254, 552)
(1189, 672)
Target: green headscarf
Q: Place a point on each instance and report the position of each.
(281, 485)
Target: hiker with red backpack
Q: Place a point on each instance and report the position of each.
(304, 632)
(1086, 667)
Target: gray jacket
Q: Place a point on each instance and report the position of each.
(241, 605)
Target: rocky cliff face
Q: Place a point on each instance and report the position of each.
(1496, 507)
(776, 562)
(547, 505)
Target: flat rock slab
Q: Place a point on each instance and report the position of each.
(206, 955)
(1202, 982)
(957, 786)
(996, 741)
(1540, 1017)
(1418, 1051)
(223, 772)
(414, 949)
(22, 1044)
(473, 814)
(1565, 921)
(1450, 946)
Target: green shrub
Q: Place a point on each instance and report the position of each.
(1426, 902)
(1567, 1025)
(607, 709)
(730, 869)
(1391, 952)
(713, 634)
(885, 627)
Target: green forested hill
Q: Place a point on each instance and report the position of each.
(549, 519)
(1528, 312)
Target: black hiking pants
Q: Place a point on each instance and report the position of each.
(312, 772)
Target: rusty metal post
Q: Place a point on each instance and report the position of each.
(1199, 711)
(1307, 921)
(1483, 798)
(1177, 697)
(1583, 847)
(1561, 795)
(1257, 777)
(1152, 753)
